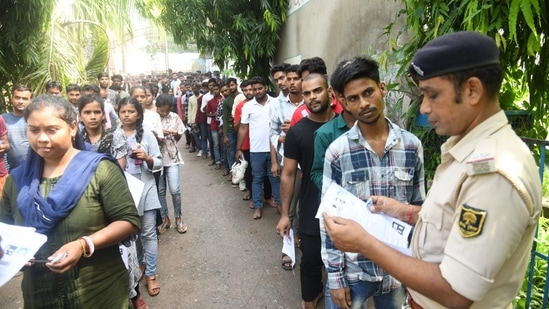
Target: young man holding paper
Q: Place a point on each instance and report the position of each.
(375, 157)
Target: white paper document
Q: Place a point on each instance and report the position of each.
(288, 246)
(136, 187)
(339, 202)
(19, 245)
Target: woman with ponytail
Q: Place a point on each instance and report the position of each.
(142, 156)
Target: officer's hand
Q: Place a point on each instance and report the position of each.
(390, 207)
(346, 234)
(341, 297)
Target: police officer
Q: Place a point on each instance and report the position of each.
(474, 232)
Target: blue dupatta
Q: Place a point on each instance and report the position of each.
(45, 213)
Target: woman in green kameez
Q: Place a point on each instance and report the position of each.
(81, 201)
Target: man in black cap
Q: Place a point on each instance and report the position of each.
(474, 232)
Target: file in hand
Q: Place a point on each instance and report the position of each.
(339, 202)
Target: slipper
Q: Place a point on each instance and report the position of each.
(139, 303)
(180, 226)
(251, 205)
(271, 203)
(246, 197)
(286, 263)
(227, 173)
(153, 287)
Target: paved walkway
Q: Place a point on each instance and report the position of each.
(225, 260)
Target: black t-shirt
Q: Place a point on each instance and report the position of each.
(299, 146)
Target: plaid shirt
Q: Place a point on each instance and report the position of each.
(280, 110)
(352, 164)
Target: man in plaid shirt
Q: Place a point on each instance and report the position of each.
(375, 157)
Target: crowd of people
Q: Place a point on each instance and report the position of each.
(469, 247)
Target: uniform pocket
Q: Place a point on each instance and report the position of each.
(430, 237)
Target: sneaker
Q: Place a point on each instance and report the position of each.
(199, 153)
(242, 185)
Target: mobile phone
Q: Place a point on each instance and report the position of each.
(57, 259)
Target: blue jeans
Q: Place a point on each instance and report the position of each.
(204, 137)
(147, 244)
(231, 149)
(362, 290)
(216, 153)
(261, 167)
(197, 140)
(171, 175)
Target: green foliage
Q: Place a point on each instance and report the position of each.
(242, 31)
(540, 271)
(22, 26)
(519, 27)
(68, 41)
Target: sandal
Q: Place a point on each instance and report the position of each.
(286, 263)
(227, 173)
(139, 303)
(165, 226)
(271, 203)
(246, 196)
(153, 287)
(180, 226)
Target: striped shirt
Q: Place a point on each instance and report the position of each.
(354, 165)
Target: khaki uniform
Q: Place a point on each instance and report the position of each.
(479, 217)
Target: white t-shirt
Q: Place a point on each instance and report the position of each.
(205, 99)
(152, 122)
(239, 98)
(258, 120)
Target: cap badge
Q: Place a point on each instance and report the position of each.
(418, 70)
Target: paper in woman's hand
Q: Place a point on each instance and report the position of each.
(339, 202)
(19, 244)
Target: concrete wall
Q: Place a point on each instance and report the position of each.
(334, 29)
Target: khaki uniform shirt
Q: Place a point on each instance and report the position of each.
(479, 217)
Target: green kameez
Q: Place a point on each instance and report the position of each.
(100, 281)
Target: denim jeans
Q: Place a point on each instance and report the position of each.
(197, 140)
(147, 244)
(231, 149)
(362, 290)
(261, 167)
(204, 137)
(216, 153)
(171, 175)
(222, 150)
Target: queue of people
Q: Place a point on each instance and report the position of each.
(469, 247)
